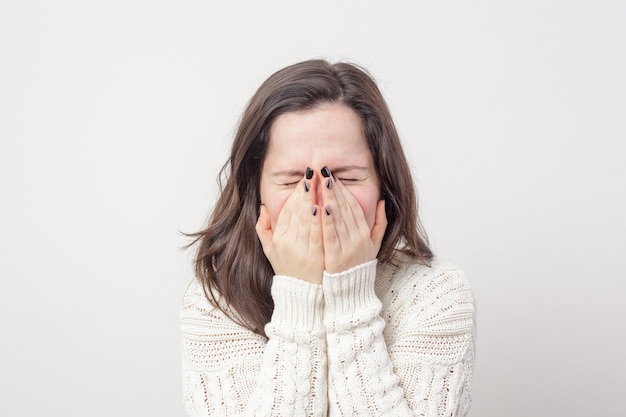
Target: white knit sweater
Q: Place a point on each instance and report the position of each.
(396, 340)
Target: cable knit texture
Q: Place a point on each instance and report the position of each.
(392, 340)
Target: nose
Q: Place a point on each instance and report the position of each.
(318, 191)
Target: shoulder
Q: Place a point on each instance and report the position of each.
(195, 301)
(201, 316)
(434, 298)
(404, 273)
(196, 311)
(211, 339)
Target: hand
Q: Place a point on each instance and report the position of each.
(348, 240)
(295, 247)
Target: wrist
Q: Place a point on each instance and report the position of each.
(298, 305)
(349, 296)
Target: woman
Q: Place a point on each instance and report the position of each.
(316, 291)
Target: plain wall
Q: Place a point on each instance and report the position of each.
(115, 117)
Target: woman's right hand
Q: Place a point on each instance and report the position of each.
(295, 246)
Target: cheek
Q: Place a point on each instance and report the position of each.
(273, 199)
(275, 205)
(367, 199)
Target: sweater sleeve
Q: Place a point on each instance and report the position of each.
(418, 364)
(231, 371)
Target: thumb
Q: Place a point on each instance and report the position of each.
(264, 230)
(380, 225)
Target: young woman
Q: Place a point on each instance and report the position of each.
(316, 291)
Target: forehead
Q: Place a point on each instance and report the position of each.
(329, 131)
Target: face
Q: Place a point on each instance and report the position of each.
(329, 135)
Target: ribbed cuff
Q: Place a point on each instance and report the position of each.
(297, 304)
(349, 297)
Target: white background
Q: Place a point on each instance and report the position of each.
(115, 117)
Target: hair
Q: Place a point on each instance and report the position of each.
(230, 262)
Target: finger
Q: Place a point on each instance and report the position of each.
(264, 230)
(309, 185)
(380, 225)
(307, 211)
(351, 215)
(316, 247)
(334, 206)
(301, 225)
(309, 197)
(351, 209)
(331, 241)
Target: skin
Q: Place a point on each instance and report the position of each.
(306, 229)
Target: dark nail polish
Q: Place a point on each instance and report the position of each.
(306, 186)
(327, 210)
(329, 184)
(325, 172)
(309, 173)
(314, 210)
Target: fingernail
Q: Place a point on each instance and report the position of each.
(329, 184)
(309, 173)
(327, 210)
(314, 210)
(325, 172)
(306, 186)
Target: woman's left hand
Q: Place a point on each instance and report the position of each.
(348, 240)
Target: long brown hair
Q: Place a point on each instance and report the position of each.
(230, 262)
